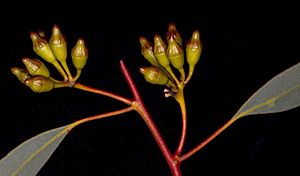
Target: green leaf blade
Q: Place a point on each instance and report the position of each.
(281, 93)
(30, 156)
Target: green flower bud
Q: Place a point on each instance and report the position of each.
(154, 75)
(147, 51)
(79, 54)
(58, 44)
(175, 53)
(36, 67)
(160, 51)
(40, 84)
(194, 49)
(21, 74)
(172, 32)
(42, 48)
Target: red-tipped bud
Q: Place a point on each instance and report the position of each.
(154, 75)
(58, 44)
(194, 49)
(79, 54)
(21, 74)
(36, 67)
(160, 51)
(175, 53)
(39, 84)
(172, 32)
(42, 48)
(147, 51)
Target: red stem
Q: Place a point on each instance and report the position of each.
(206, 141)
(181, 101)
(102, 92)
(100, 116)
(141, 109)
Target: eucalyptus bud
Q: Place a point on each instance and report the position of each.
(175, 53)
(79, 54)
(172, 32)
(42, 48)
(58, 44)
(39, 84)
(194, 49)
(21, 74)
(36, 67)
(147, 51)
(160, 51)
(154, 75)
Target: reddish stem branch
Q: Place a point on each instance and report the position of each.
(180, 99)
(108, 114)
(141, 109)
(102, 92)
(209, 139)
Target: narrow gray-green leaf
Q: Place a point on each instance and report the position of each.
(30, 156)
(279, 94)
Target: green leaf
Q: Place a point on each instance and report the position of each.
(279, 94)
(30, 156)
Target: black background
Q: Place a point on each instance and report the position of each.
(245, 44)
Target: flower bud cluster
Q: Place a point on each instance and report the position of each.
(165, 56)
(37, 76)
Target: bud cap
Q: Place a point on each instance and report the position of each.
(58, 44)
(194, 49)
(79, 54)
(172, 32)
(154, 75)
(175, 53)
(160, 51)
(42, 48)
(21, 74)
(39, 84)
(36, 67)
(147, 51)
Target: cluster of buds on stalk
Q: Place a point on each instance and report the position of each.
(37, 76)
(164, 57)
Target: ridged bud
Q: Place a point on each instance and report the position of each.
(194, 49)
(36, 67)
(172, 32)
(160, 51)
(147, 51)
(42, 48)
(58, 44)
(79, 54)
(175, 53)
(154, 75)
(39, 84)
(21, 74)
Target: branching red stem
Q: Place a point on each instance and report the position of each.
(141, 109)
